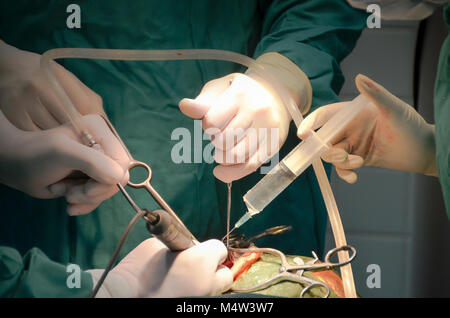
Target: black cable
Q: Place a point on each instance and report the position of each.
(108, 268)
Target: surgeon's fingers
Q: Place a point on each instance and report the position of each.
(234, 132)
(214, 250)
(41, 116)
(193, 108)
(81, 209)
(344, 162)
(229, 173)
(107, 166)
(92, 192)
(22, 120)
(215, 88)
(348, 176)
(62, 187)
(82, 206)
(243, 150)
(223, 280)
(198, 107)
(342, 159)
(58, 189)
(335, 154)
(318, 118)
(93, 188)
(47, 96)
(109, 143)
(78, 195)
(85, 100)
(223, 110)
(27, 124)
(380, 96)
(29, 110)
(90, 161)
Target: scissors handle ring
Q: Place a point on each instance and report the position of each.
(335, 250)
(134, 164)
(312, 284)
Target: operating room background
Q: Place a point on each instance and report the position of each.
(394, 219)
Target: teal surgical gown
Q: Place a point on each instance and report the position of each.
(442, 115)
(141, 99)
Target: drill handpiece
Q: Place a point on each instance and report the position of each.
(165, 228)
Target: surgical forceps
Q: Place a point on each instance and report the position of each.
(238, 240)
(170, 229)
(294, 273)
(179, 229)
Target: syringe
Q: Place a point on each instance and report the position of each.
(287, 170)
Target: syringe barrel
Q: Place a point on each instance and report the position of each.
(302, 156)
(269, 187)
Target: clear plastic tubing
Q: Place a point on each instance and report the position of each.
(148, 55)
(163, 55)
(333, 214)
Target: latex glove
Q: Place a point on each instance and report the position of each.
(152, 270)
(39, 162)
(388, 133)
(245, 118)
(26, 97)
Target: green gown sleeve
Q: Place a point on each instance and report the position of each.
(315, 35)
(442, 115)
(35, 275)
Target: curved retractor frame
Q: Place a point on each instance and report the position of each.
(294, 273)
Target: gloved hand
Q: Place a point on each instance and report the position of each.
(26, 97)
(152, 270)
(388, 133)
(39, 162)
(246, 119)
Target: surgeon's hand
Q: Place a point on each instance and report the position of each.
(245, 117)
(388, 133)
(152, 270)
(246, 121)
(43, 163)
(27, 99)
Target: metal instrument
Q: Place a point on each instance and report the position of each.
(287, 271)
(163, 224)
(294, 273)
(177, 231)
(240, 241)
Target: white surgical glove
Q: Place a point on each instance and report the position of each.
(40, 162)
(152, 270)
(388, 133)
(27, 99)
(246, 119)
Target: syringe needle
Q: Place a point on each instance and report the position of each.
(228, 212)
